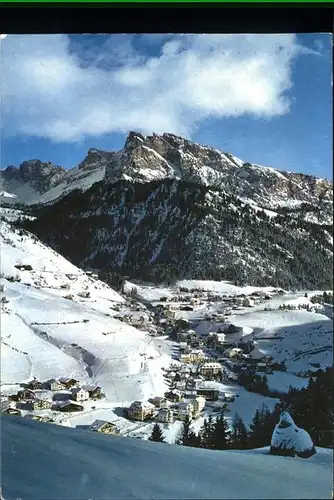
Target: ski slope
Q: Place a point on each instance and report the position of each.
(50, 328)
(47, 461)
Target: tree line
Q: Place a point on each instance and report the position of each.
(312, 408)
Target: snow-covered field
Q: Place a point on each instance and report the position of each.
(48, 461)
(281, 381)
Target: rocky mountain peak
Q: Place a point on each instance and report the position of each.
(158, 157)
(39, 175)
(134, 140)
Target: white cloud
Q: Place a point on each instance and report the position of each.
(48, 92)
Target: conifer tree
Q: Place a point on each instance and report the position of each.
(188, 436)
(206, 433)
(240, 434)
(157, 434)
(221, 433)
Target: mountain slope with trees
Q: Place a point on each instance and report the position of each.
(170, 229)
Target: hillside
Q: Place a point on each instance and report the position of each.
(47, 461)
(170, 229)
(58, 321)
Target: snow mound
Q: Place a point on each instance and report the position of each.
(79, 464)
(288, 439)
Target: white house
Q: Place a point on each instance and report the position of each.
(54, 385)
(247, 302)
(184, 410)
(210, 369)
(165, 415)
(79, 394)
(141, 410)
(198, 404)
(159, 402)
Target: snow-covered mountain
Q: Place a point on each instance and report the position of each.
(46, 461)
(31, 180)
(166, 202)
(166, 156)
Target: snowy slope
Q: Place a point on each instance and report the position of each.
(7, 195)
(296, 337)
(49, 330)
(48, 461)
(76, 179)
(223, 287)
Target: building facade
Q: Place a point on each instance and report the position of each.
(141, 410)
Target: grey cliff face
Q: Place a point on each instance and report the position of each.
(167, 156)
(39, 175)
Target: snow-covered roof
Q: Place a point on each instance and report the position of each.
(144, 405)
(75, 390)
(98, 424)
(53, 380)
(90, 388)
(69, 402)
(211, 364)
(176, 392)
(65, 380)
(207, 385)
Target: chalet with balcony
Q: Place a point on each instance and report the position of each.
(209, 393)
(35, 404)
(34, 385)
(79, 394)
(159, 402)
(54, 385)
(185, 410)
(194, 356)
(175, 396)
(104, 427)
(70, 406)
(165, 415)
(141, 410)
(210, 370)
(68, 383)
(94, 391)
(25, 394)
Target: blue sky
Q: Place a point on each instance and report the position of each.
(264, 98)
